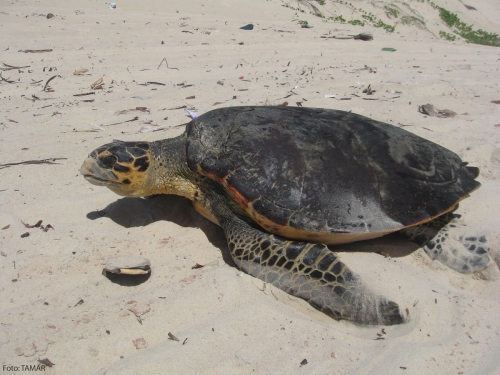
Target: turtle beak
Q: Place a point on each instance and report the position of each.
(95, 174)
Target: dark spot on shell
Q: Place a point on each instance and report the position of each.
(142, 163)
(337, 268)
(289, 265)
(316, 274)
(280, 262)
(126, 181)
(294, 249)
(272, 260)
(265, 244)
(136, 151)
(265, 255)
(238, 252)
(312, 254)
(326, 262)
(121, 168)
(329, 277)
(108, 161)
(480, 251)
(122, 154)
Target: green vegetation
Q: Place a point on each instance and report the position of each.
(391, 12)
(412, 20)
(385, 26)
(447, 36)
(303, 23)
(368, 16)
(465, 31)
(290, 7)
(338, 18)
(450, 19)
(356, 22)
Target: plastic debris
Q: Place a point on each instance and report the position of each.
(192, 114)
(80, 72)
(247, 27)
(429, 109)
(389, 49)
(112, 5)
(127, 265)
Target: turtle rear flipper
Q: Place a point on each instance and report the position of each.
(447, 240)
(308, 271)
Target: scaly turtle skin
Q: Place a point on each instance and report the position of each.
(283, 182)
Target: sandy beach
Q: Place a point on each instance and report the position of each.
(90, 74)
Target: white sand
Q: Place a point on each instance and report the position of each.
(233, 325)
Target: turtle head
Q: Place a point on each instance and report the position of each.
(123, 167)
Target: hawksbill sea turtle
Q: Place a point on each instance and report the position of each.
(285, 182)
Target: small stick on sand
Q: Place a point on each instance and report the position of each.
(47, 83)
(43, 161)
(166, 62)
(362, 36)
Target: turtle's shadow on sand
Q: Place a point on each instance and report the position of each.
(138, 212)
(129, 280)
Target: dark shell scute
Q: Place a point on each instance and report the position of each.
(238, 182)
(121, 153)
(142, 163)
(121, 168)
(294, 249)
(136, 151)
(313, 254)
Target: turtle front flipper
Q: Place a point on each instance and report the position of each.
(309, 271)
(447, 240)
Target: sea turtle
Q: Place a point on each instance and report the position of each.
(284, 182)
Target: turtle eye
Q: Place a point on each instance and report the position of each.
(108, 161)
